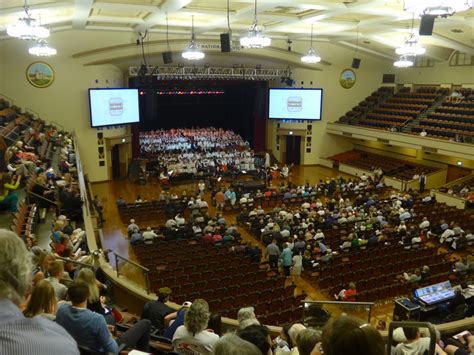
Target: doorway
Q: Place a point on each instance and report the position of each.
(116, 161)
(293, 149)
(456, 172)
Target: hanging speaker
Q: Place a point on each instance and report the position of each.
(167, 57)
(225, 42)
(427, 25)
(356, 63)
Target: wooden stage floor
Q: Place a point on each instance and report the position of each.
(114, 230)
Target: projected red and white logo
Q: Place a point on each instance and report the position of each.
(115, 106)
(294, 104)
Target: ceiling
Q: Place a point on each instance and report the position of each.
(382, 25)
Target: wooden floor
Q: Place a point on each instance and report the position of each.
(114, 230)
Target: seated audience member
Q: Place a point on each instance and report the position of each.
(90, 329)
(258, 335)
(132, 227)
(215, 323)
(93, 301)
(156, 311)
(175, 320)
(56, 273)
(415, 344)
(42, 301)
(231, 344)
(149, 235)
(350, 336)
(9, 198)
(18, 334)
(306, 340)
(465, 346)
(193, 336)
(246, 316)
(136, 238)
(413, 278)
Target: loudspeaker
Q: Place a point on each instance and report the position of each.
(388, 79)
(225, 42)
(167, 57)
(356, 63)
(427, 25)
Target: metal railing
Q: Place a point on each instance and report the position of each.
(75, 262)
(145, 270)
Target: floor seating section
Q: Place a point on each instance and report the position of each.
(375, 269)
(456, 186)
(227, 280)
(392, 167)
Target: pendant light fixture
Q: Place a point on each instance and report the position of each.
(411, 46)
(27, 27)
(442, 8)
(255, 37)
(311, 57)
(42, 49)
(192, 52)
(403, 62)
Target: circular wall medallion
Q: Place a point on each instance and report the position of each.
(347, 78)
(40, 74)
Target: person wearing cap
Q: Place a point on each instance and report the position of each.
(175, 320)
(156, 311)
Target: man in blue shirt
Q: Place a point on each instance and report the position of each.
(90, 329)
(286, 259)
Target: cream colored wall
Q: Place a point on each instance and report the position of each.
(66, 100)
(441, 73)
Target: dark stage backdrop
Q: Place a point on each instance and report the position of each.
(242, 108)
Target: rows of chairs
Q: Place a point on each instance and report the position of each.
(452, 117)
(468, 127)
(443, 133)
(229, 280)
(25, 220)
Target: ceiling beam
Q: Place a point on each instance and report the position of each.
(159, 16)
(82, 10)
(119, 7)
(363, 49)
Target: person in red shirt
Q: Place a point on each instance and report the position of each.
(220, 200)
(351, 293)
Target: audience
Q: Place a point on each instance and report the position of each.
(18, 334)
(89, 328)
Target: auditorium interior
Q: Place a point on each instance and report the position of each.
(311, 160)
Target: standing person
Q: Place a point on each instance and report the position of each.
(220, 200)
(273, 252)
(286, 259)
(267, 160)
(422, 181)
(18, 334)
(297, 265)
